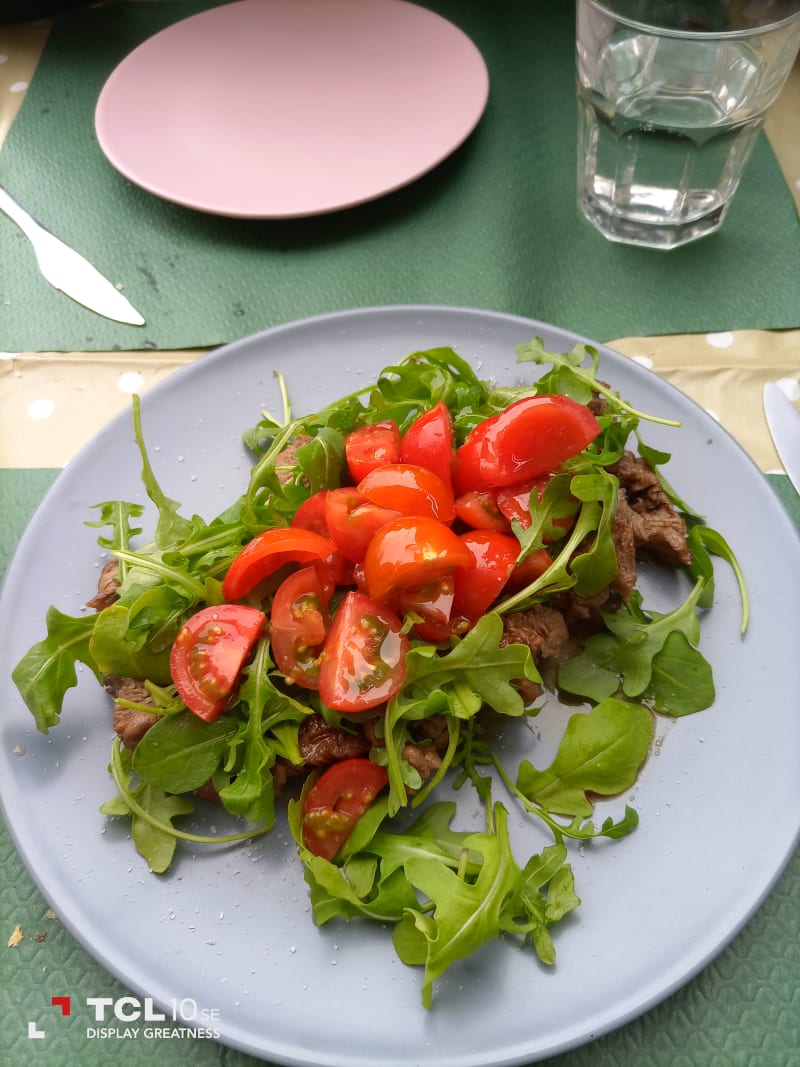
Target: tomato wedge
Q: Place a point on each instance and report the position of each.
(433, 603)
(352, 520)
(364, 658)
(409, 489)
(494, 556)
(370, 446)
(336, 801)
(530, 437)
(299, 625)
(428, 442)
(412, 551)
(208, 654)
(268, 552)
(479, 509)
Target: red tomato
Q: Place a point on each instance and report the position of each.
(298, 626)
(494, 556)
(311, 514)
(531, 568)
(514, 501)
(337, 800)
(433, 603)
(364, 659)
(268, 552)
(412, 551)
(208, 655)
(371, 446)
(409, 489)
(532, 436)
(479, 509)
(428, 442)
(352, 520)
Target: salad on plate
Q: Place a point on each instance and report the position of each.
(409, 568)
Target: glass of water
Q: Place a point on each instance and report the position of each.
(671, 98)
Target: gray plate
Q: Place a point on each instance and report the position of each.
(231, 930)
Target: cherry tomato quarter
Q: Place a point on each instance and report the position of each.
(268, 552)
(412, 551)
(299, 623)
(479, 509)
(530, 437)
(494, 555)
(337, 800)
(428, 442)
(208, 654)
(409, 489)
(370, 446)
(364, 658)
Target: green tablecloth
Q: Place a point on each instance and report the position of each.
(495, 226)
(741, 1011)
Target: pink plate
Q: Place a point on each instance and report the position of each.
(279, 109)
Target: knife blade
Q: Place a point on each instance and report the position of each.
(68, 271)
(783, 421)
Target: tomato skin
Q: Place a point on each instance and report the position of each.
(412, 551)
(531, 568)
(208, 654)
(370, 446)
(268, 552)
(364, 658)
(428, 442)
(530, 437)
(479, 509)
(337, 800)
(311, 514)
(299, 623)
(352, 520)
(494, 555)
(409, 489)
(433, 603)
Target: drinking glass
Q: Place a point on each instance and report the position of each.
(671, 98)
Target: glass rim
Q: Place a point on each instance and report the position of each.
(694, 35)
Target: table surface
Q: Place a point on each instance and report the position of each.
(742, 1010)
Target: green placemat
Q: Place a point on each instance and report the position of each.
(495, 226)
(741, 1011)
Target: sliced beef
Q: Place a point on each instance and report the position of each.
(542, 628)
(130, 724)
(286, 460)
(321, 744)
(107, 587)
(655, 524)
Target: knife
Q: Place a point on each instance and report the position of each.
(783, 420)
(68, 271)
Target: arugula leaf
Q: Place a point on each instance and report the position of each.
(171, 528)
(47, 670)
(181, 752)
(631, 652)
(118, 515)
(601, 752)
(571, 377)
(114, 653)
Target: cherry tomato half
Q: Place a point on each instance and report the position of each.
(530, 437)
(428, 442)
(409, 489)
(371, 446)
(336, 801)
(208, 654)
(352, 520)
(412, 551)
(364, 658)
(268, 552)
(433, 603)
(298, 626)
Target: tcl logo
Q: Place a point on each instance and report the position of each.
(125, 1009)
